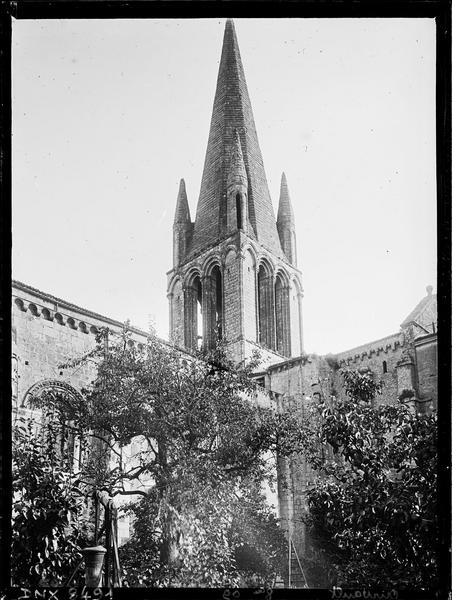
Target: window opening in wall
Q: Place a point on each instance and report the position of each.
(193, 322)
(385, 367)
(260, 301)
(266, 315)
(199, 328)
(33, 309)
(238, 203)
(218, 303)
(260, 381)
(282, 320)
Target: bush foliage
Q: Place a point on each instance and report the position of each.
(373, 505)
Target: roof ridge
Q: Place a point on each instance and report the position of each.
(30, 289)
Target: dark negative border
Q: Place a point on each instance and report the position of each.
(111, 9)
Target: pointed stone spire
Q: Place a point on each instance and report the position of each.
(232, 112)
(182, 213)
(286, 223)
(182, 226)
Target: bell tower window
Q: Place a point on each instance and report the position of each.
(193, 318)
(218, 303)
(238, 204)
(282, 314)
(266, 307)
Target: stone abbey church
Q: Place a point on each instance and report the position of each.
(235, 277)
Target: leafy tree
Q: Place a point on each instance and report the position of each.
(205, 451)
(47, 517)
(231, 537)
(372, 508)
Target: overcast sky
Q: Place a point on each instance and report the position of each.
(108, 115)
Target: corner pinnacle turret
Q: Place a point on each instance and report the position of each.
(286, 223)
(182, 213)
(182, 226)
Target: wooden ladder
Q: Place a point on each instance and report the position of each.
(297, 578)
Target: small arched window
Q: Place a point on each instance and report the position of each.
(20, 304)
(385, 367)
(33, 309)
(71, 323)
(59, 318)
(238, 204)
(193, 317)
(46, 314)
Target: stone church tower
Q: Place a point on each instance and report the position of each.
(235, 272)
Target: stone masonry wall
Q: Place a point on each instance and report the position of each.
(249, 297)
(295, 384)
(233, 310)
(427, 370)
(48, 332)
(409, 364)
(372, 356)
(176, 303)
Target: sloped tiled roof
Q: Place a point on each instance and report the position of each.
(419, 309)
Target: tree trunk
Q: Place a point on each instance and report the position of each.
(169, 553)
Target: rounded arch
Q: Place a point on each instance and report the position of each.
(59, 318)
(265, 266)
(33, 309)
(191, 276)
(249, 251)
(71, 323)
(46, 314)
(83, 327)
(175, 280)
(60, 388)
(283, 276)
(229, 254)
(296, 285)
(210, 263)
(20, 304)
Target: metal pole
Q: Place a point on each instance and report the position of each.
(290, 562)
(108, 545)
(96, 519)
(117, 568)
